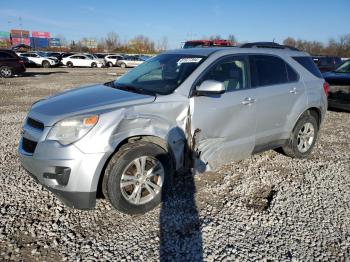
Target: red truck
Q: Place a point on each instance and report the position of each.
(207, 43)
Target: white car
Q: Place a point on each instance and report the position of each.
(41, 59)
(130, 61)
(111, 60)
(81, 60)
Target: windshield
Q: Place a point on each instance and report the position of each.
(42, 54)
(161, 74)
(344, 68)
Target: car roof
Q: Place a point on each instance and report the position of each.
(235, 50)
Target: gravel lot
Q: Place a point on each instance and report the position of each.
(267, 207)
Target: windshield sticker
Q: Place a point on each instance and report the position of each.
(189, 60)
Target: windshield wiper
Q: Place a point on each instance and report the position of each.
(130, 88)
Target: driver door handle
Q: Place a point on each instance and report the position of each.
(293, 90)
(248, 101)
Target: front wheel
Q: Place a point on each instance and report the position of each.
(123, 65)
(46, 64)
(6, 72)
(303, 137)
(110, 64)
(136, 176)
(93, 65)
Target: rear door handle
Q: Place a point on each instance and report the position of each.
(248, 101)
(293, 91)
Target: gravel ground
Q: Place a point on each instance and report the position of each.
(267, 207)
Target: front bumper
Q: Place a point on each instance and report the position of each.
(45, 165)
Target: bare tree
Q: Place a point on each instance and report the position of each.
(163, 44)
(142, 44)
(63, 39)
(232, 39)
(112, 41)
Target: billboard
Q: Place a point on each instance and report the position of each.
(37, 42)
(15, 33)
(55, 42)
(40, 34)
(17, 41)
(4, 35)
(5, 43)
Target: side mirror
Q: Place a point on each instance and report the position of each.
(210, 87)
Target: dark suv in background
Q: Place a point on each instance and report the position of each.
(327, 63)
(10, 64)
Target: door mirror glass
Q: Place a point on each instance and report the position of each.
(210, 87)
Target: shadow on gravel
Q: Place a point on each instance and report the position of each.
(180, 232)
(30, 74)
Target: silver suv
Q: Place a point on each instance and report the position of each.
(189, 109)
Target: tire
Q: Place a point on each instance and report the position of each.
(46, 64)
(300, 144)
(70, 64)
(6, 72)
(94, 65)
(123, 163)
(110, 64)
(123, 65)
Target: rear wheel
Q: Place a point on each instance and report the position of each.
(6, 72)
(46, 64)
(69, 64)
(136, 176)
(303, 137)
(110, 64)
(123, 65)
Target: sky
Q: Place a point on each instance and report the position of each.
(181, 20)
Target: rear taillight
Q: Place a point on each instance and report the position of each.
(325, 88)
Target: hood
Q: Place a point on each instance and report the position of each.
(334, 78)
(85, 100)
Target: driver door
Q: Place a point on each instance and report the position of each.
(223, 125)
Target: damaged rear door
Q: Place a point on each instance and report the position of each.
(223, 125)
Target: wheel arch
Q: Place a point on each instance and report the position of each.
(146, 138)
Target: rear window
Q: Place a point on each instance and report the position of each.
(309, 65)
(5, 55)
(270, 70)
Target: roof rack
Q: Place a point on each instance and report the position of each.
(268, 45)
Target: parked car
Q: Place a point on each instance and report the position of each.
(41, 59)
(339, 89)
(10, 64)
(188, 109)
(80, 60)
(129, 61)
(27, 62)
(327, 63)
(111, 60)
(92, 56)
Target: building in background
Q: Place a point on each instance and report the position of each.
(89, 43)
(5, 41)
(19, 37)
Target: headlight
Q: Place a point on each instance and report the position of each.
(71, 130)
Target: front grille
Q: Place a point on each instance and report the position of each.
(28, 145)
(35, 124)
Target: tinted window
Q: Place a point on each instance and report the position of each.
(231, 71)
(307, 63)
(5, 55)
(268, 70)
(292, 75)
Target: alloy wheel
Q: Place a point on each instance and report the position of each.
(305, 137)
(142, 180)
